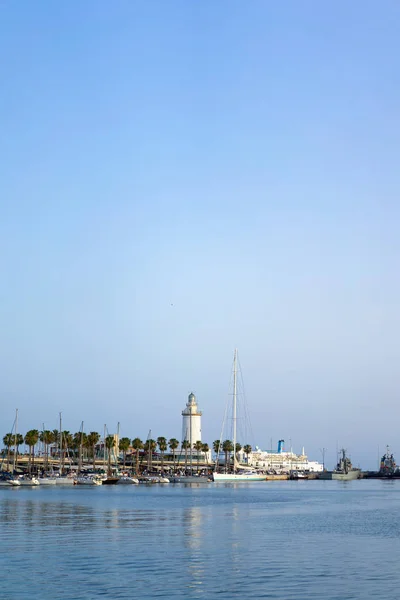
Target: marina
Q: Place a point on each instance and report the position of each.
(94, 460)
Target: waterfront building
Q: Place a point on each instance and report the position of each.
(191, 421)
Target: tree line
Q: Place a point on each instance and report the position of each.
(84, 445)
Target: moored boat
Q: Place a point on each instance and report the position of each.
(24, 480)
(238, 473)
(66, 480)
(297, 475)
(388, 465)
(47, 480)
(88, 480)
(6, 479)
(153, 479)
(189, 479)
(110, 480)
(127, 480)
(344, 470)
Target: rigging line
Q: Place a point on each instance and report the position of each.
(245, 407)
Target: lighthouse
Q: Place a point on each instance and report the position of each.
(191, 421)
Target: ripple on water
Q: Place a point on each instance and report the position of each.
(291, 542)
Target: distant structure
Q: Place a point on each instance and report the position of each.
(191, 421)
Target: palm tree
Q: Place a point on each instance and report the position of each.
(186, 446)
(162, 444)
(205, 448)
(217, 447)
(227, 448)
(173, 444)
(247, 450)
(124, 444)
(19, 439)
(198, 446)
(66, 444)
(79, 441)
(46, 437)
(56, 436)
(237, 449)
(137, 445)
(110, 444)
(31, 439)
(8, 441)
(93, 439)
(149, 447)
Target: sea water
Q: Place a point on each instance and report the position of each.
(286, 540)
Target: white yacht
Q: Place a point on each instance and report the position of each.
(239, 473)
(88, 480)
(126, 480)
(25, 481)
(66, 480)
(47, 480)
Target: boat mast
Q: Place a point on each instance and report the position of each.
(116, 451)
(80, 449)
(234, 408)
(60, 468)
(104, 449)
(15, 440)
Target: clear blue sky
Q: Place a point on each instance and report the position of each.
(179, 178)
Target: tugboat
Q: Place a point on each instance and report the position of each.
(388, 465)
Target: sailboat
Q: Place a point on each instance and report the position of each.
(239, 473)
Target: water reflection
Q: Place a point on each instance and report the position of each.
(193, 537)
(214, 542)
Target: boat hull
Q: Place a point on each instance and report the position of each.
(65, 480)
(189, 479)
(350, 476)
(88, 481)
(110, 481)
(28, 482)
(217, 477)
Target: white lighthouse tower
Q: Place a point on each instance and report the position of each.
(191, 421)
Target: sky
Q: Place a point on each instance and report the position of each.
(180, 179)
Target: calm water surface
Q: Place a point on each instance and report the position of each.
(284, 540)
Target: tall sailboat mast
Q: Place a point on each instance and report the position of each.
(234, 408)
(60, 448)
(15, 440)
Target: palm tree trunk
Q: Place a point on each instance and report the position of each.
(173, 455)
